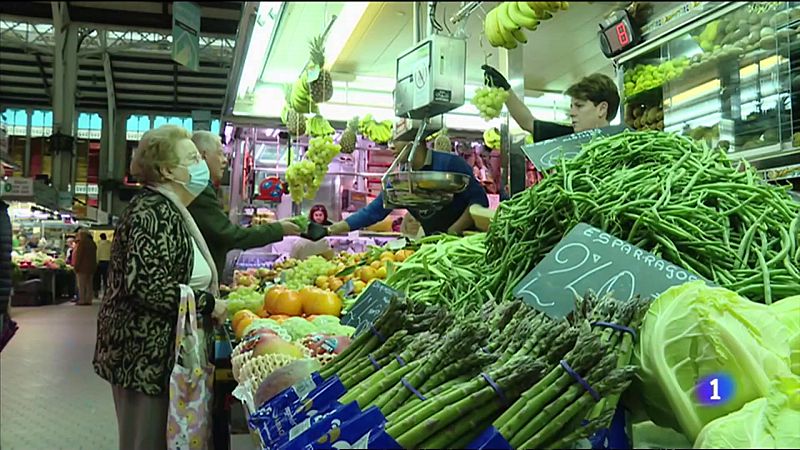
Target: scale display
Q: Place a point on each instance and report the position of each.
(617, 34)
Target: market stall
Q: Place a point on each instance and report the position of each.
(39, 229)
(641, 292)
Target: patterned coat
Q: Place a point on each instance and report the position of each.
(151, 255)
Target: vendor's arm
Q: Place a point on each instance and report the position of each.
(219, 232)
(475, 194)
(464, 223)
(367, 216)
(519, 112)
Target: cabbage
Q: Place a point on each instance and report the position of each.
(771, 422)
(298, 327)
(324, 320)
(694, 331)
(788, 312)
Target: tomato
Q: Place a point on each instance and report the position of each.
(319, 302)
(271, 298)
(285, 302)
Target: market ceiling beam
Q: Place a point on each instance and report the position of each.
(44, 78)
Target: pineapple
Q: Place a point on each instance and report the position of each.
(294, 121)
(442, 142)
(321, 88)
(348, 139)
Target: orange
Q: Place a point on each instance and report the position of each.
(368, 274)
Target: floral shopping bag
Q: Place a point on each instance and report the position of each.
(190, 384)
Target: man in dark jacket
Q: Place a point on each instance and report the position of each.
(7, 326)
(220, 234)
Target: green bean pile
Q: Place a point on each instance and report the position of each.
(442, 270)
(668, 195)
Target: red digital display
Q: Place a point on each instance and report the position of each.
(618, 36)
(622, 34)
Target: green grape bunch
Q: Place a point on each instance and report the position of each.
(307, 271)
(306, 177)
(489, 101)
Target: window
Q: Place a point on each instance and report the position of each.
(215, 126)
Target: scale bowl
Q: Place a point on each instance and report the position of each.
(423, 190)
(429, 182)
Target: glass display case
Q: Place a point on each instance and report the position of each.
(730, 76)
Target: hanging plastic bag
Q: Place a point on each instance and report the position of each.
(191, 382)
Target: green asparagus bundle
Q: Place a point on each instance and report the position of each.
(459, 343)
(457, 403)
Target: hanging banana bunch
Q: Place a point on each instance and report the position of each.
(504, 23)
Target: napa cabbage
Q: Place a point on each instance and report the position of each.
(694, 331)
(770, 422)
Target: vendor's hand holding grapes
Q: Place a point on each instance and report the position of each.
(491, 77)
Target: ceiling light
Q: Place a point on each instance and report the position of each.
(260, 39)
(342, 29)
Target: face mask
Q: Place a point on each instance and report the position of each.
(198, 178)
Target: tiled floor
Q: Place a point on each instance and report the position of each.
(50, 397)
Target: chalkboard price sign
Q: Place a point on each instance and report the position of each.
(545, 155)
(370, 305)
(589, 258)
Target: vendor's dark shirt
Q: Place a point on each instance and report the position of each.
(432, 222)
(544, 130)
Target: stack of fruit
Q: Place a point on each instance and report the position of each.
(503, 24)
(644, 77)
(643, 117)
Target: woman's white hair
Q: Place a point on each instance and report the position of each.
(157, 150)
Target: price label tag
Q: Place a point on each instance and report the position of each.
(347, 289)
(589, 258)
(546, 154)
(369, 306)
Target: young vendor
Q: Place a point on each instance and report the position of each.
(453, 218)
(595, 101)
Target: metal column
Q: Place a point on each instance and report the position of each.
(26, 163)
(65, 71)
(512, 158)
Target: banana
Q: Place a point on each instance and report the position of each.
(520, 19)
(540, 8)
(492, 29)
(519, 35)
(504, 18)
(564, 6)
(506, 25)
(529, 13)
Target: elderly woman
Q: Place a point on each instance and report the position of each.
(157, 248)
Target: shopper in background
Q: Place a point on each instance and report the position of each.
(85, 265)
(594, 104)
(157, 248)
(319, 215)
(70, 250)
(103, 257)
(221, 235)
(454, 218)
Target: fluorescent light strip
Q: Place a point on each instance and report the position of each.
(259, 43)
(342, 29)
